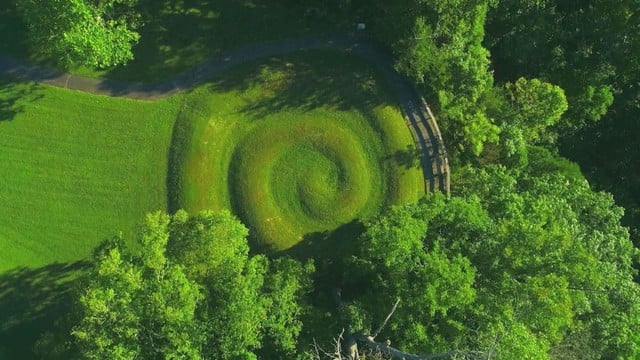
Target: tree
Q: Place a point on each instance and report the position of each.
(538, 105)
(82, 32)
(592, 50)
(515, 264)
(439, 46)
(193, 292)
(581, 47)
(143, 306)
(525, 111)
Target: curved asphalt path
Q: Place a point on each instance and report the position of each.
(417, 114)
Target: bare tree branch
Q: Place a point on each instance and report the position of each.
(384, 323)
(397, 354)
(338, 347)
(320, 353)
(351, 341)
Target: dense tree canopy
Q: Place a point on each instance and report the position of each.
(591, 50)
(439, 45)
(82, 32)
(527, 263)
(516, 265)
(193, 292)
(588, 48)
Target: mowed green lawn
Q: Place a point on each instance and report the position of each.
(295, 146)
(76, 169)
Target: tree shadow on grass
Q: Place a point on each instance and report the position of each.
(31, 300)
(305, 81)
(330, 251)
(14, 97)
(178, 35)
(409, 159)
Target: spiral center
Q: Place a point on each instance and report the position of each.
(300, 152)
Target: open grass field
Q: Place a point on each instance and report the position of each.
(294, 146)
(75, 169)
(177, 35)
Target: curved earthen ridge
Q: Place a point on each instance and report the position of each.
(418, 117)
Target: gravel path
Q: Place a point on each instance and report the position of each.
(417, 114)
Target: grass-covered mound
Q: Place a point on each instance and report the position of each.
(318, 132)
(76, 169)
(294, 147)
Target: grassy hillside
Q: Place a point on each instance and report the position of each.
(317, 133)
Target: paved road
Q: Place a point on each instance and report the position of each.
(417, 114)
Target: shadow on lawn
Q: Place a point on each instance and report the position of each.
(31, 300)
(14, 98)
(330, 251)
(305, 81)
(178, 35)
(409, 158)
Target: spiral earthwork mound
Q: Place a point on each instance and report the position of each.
(293, 146)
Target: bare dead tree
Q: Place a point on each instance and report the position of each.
(384, 323)
(335, 354)
(347, 347)
(385, 348)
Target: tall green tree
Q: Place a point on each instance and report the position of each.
(592, 50)
(143, 306)
(439, 45)
(82, 32)
(537, 104)
(193, 292)
(516, 264)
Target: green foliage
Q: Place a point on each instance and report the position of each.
(529, 263)
(193, 292)
(287, 279)
(439, 45)
(512, 262)
(130, 309)
(591, 50)
(594, 102)
(518, 342)
(525, 111)
(81, 32)
(565, 232)
(542, 161)
(585, 48)
(209, 245)
(429, 281)
(538, 105)
(513, 146)
(177, 35)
